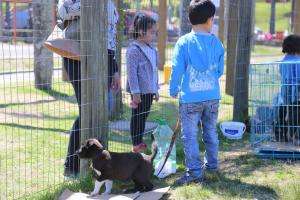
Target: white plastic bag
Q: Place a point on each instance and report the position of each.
(163, 135)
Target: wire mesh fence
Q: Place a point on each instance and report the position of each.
(44, 96)
(274, 109)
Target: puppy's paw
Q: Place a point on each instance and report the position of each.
(93, 194)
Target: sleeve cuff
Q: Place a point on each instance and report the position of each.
(135, 91)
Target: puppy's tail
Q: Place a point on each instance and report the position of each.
(153, 149)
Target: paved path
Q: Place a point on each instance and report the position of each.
(13, 51)
(12, 78)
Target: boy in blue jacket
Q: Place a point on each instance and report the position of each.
(197, 65)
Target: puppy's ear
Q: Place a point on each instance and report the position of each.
(99, 140)
(105, 155)
(89, 143)
(97, 143)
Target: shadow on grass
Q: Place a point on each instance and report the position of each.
(26, 103)
(33, 128)
(218, 184)
(221, 184)
(35, 116)
(60, 96)
(246, 164)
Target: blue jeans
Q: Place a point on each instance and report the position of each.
(111, 102)
(191, 114)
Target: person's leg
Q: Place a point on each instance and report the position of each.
(111, 102)
(138, 119)
(134, 124)
(147, 102)
(189, 116)
(112, 69)
(210, 135)
(72, 161)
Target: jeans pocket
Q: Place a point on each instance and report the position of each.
(194, 108)
(215, 107)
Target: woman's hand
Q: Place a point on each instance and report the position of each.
(116, 82)
(136, 98)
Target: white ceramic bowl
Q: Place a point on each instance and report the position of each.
(233, 130)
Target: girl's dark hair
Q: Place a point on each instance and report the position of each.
(291, 45)
(142, 22)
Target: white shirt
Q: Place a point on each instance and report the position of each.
(70, 9)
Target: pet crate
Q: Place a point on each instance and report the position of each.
(274, 118)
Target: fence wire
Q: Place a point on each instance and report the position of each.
(274, 109)
(41, 94)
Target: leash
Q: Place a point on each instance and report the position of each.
(174, 136)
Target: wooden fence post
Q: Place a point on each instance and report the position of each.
(232, 35)
(162, 31)
(221, 33)
(94, 105)
(185, 25)
(296, 14)
(272, 17)
(1, 18)
(244, 42)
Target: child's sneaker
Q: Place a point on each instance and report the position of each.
(139, 148)
(187, 179)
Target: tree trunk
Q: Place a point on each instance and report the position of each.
(43, 58)
(185, 25)
(241, 91)
(232, 37)
(272, 17)
(297, 17)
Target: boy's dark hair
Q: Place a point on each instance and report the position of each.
(142, 22)
(291, 45)
(200, 11)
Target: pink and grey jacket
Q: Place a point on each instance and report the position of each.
(142, 68)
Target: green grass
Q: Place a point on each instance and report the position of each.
(33, 124)
(263, 12)
(32, 138)
(37, 129)
(242, 176)
(261, 50)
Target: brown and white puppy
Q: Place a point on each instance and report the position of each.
(109, 166)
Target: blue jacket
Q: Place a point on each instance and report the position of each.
(290, 78)
(197, 65)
